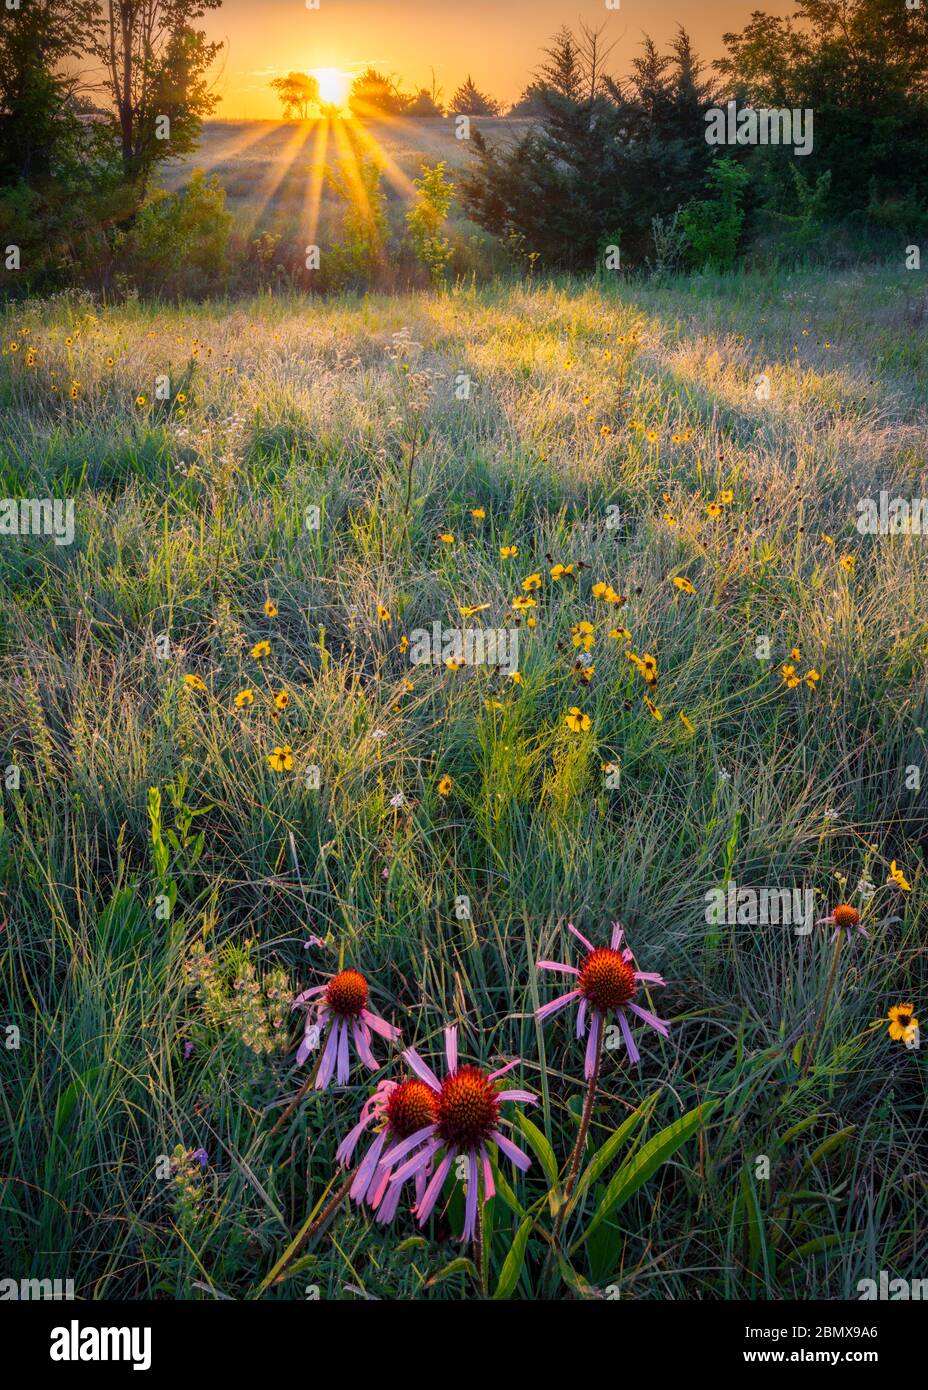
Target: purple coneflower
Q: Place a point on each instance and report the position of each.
(843, 918)
(343, 1009)
(467, 1119)
(607, 982)
(402, 1109)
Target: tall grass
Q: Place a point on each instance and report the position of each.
(147, 1033)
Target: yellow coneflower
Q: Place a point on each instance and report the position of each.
(244, 698)
(261, 649)
(530, 582)
(281, 760)
(444, 785)
(507, 552)
(270, 608)
(576, 720)
(282, 699)
(684, 585)
(902, 1022)
(194, 682)
(897, 877)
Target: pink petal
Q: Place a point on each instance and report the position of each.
(424, 1072)
(552, 1007)
(516, 1156)
(556, 965)
(580, 937)
(451, 1048)
(433, 1191)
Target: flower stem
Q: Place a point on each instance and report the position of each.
(308, 1232)
(579, 1146)
(298, 1097)
(829, 985)
(479, 1250)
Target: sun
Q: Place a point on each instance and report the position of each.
(333, 85)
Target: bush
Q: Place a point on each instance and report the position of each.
(426, 219)
(178, 245)
(713, 226)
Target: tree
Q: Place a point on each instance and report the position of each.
(601, 159)
(39, 131)
(423, 104)
(861, 66)
(156, 66)
(298, 93)
(373, 94)
(468, 101)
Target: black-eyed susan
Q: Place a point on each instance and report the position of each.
(789, 675)
(522, 602)
(685, 585)
(847, 563)
(453, 663)
(607, 593)
(531, 582)
(403, 645)
(478, 513)
(282, 699)
(383, 612)
(726, 496)
(903, 1025)
(467, 610)
(508, 552)
(445, 785)
(562, 571)
(687, 723)
(270, 608)
(244, 698)
(141, 400)
(812, 677)
(652, 436)
(194, 682)
(281, 760)
(576, 720)
(515, 677)
(586, 673)
(619, 634)
(713, 511)
(261, 649)
(582, 635)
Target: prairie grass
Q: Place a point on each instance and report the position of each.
(147, 1033)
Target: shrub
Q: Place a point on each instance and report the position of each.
(713, 226)
(178, 244)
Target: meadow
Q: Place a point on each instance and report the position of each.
(326, 477)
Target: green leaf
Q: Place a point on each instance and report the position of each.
(635, 1172)
(458, 1266)
(505, 1191)
(604, 1156)
(834, 1141)
(69, 1097)
(540, 1147)
(512, 1265)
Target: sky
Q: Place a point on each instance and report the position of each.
(497, 42)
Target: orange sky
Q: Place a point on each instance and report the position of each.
(497, 41)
